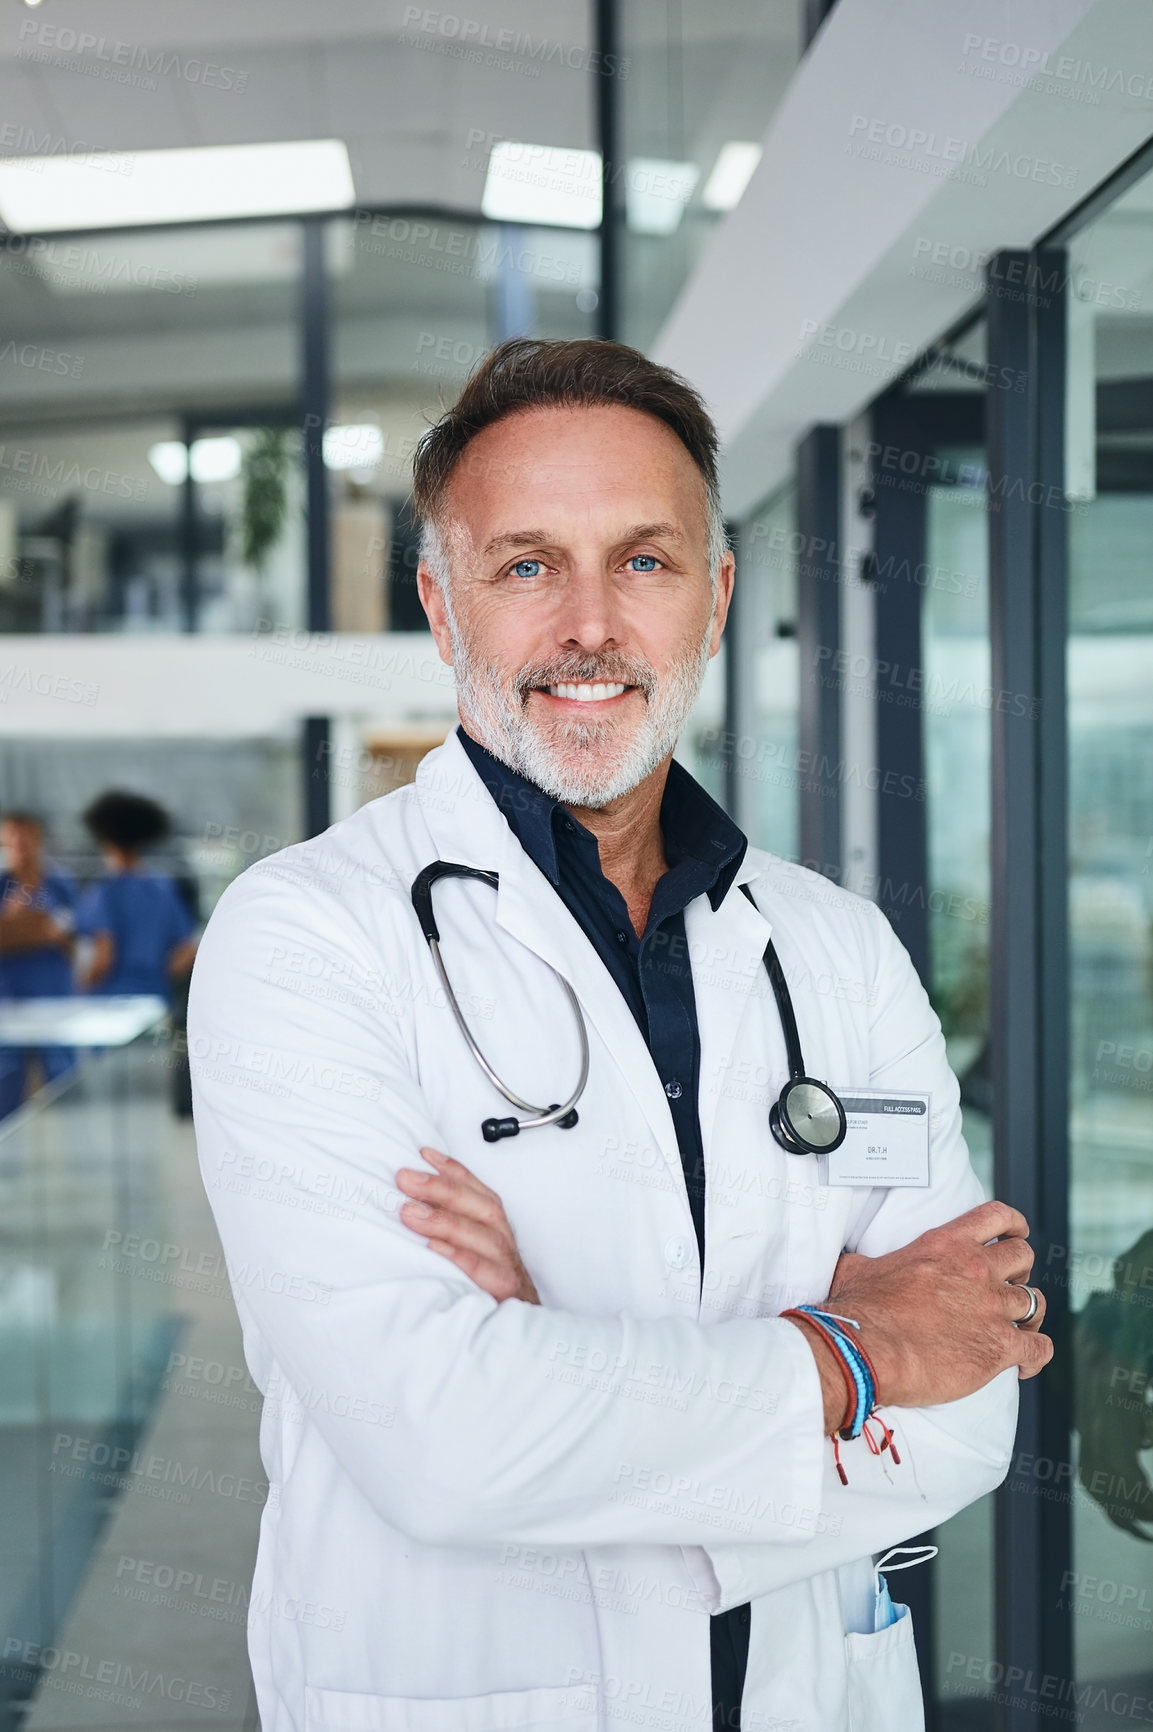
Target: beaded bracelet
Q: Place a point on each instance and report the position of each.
(860, 1380)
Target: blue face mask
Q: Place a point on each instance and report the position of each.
(884, 1611)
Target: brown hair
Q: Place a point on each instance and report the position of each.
(536, 372)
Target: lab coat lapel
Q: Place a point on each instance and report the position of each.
(727, 948)
(467, 827)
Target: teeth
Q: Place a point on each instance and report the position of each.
(587, 694)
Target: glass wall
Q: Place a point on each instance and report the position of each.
(760, 741)
(1110, 673)
(83, 1345)
(957, 745)
(130, 360)
(150, 449)
(701, 83)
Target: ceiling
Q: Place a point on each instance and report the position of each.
(412, 102)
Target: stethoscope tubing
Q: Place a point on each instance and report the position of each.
(786, 1133)
(540, 1115)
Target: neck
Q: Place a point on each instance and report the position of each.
(628, 834)
(629, 840)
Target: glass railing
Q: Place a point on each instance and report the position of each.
(87, 1319)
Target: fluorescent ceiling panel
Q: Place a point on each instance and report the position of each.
(541, 183)
(656, 193)
(732, 172)
(122, 189)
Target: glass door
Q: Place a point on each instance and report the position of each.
(1109, 1590)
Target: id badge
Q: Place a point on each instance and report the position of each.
(886, 1141)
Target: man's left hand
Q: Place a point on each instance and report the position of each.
(465, 1222)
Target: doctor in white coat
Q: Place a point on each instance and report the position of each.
(542, 1451)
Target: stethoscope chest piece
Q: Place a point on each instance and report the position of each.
(808, 1119)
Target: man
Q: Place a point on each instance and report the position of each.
(37, 923)
(542, 1450)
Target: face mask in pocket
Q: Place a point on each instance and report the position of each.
(884, 1611)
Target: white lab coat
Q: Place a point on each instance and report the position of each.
(497, 1518)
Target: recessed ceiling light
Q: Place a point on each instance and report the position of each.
(122, 189)
(656, 193)
(731, 174)
(541, 183)
(212, 460)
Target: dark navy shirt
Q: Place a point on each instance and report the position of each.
(704, 849)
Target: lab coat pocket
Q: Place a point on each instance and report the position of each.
(556, 1708)
(884, 1685)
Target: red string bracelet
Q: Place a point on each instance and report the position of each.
(848, 1426)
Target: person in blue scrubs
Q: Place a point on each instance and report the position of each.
(37, 918)
(140, 926)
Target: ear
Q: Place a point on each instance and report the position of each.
(432, 601)
(726, 575)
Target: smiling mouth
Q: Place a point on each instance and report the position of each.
(597, 693)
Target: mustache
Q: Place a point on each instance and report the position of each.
(577, 669)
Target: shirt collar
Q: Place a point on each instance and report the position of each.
(695, 829)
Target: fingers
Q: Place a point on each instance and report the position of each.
(448, 1227)
(1034, 1352)
(495, 1277)
(464, 1221)
(452, 1187)
(991, 1221)
(1009, 1259)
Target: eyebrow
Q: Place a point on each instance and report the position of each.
(536, 537)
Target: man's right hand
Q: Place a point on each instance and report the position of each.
(938, 1317)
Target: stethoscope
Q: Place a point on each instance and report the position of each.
(806, 1119)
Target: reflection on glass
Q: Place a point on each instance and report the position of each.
(762, 745)
(957, 738)
(86, 1328)
(1110, 670)
(125, 347)
(703, 82)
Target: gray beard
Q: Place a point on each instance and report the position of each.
(576, 762)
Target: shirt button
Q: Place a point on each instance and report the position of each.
(676, 1253)
(622, 937)
(673, 1089)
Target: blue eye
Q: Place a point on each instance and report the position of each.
(643, 562)
(527, 568)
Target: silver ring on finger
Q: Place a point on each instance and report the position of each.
(1034, 1302)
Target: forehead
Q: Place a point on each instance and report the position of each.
(574, 462)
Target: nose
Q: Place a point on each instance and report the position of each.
(588, 612)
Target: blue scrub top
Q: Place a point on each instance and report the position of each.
(46, 971)
(146, 917)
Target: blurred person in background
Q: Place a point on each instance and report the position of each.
(141, 928)
(37, 921)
